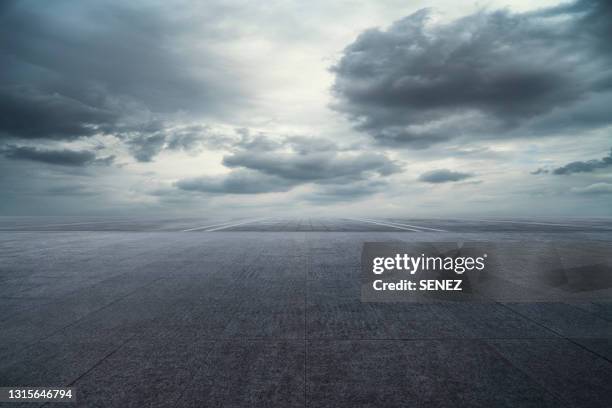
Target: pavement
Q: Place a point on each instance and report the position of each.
(266, 312)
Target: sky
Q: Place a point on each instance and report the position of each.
(426, 108)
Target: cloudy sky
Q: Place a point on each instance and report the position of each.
(425, 108)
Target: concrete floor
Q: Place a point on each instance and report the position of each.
(241, 313)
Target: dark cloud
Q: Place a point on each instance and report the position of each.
(584, 166)
(260, 164)
(443, 176)
(31, 114)
(138, 50)
(73, 70)
(539, 171)
(145, 146)
(65, 157)
(237, 182)
(302, 160)
(487, 75)
(313, 166)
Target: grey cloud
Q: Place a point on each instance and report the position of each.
(584, 166)
(487, 75)
(343, 193)
(320, 166)
(303, 145)
(186, 142)
(260, 164)
(73, 70)
(70, 190)
(237, 182)
(128, 49)
(307, 145)
(189, 138)
(105, 161)
(194, 138)
(146, 142)
(539, 171)
(309, 160)
(257, 142)
(443, 176)
(30, 114)
(65, 157)
(144, 147)
(594, 189)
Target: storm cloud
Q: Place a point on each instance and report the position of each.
(74, 70)
(443, 176)
(152, 106)
(28, 113)
(485, 76)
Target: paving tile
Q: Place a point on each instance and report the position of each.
(492, 320)
(419, 373)
(249, 374)
(565, 320)
(221, 319)
(346, 318)
(601, 347)
(568, 371)
(145, 372)
(56, 361)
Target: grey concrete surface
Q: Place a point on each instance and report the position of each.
(249, 313)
